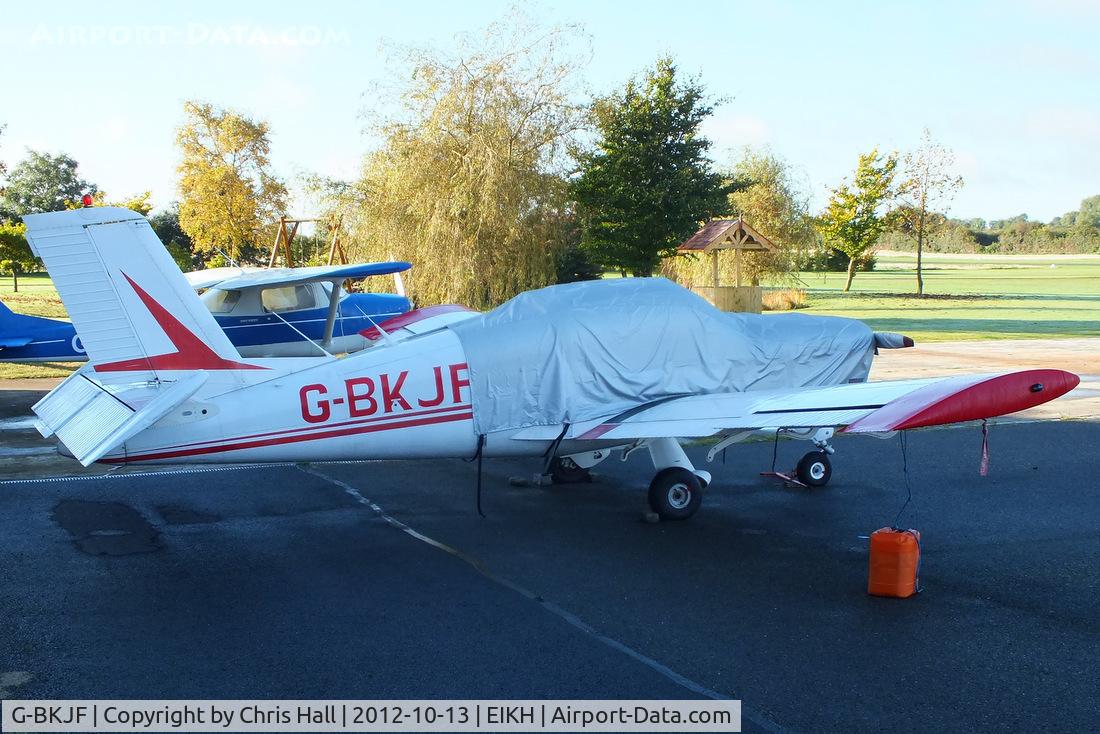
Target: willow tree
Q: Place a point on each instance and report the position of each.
(468, 181)
(767, 195)
(228, 194)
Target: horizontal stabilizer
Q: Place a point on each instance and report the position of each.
(90, 421)
(15, 341)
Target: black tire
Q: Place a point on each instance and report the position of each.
(675, 493)
(563, 470)
(815, 469)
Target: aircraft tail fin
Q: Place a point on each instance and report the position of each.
(129, 302)
(6, 314)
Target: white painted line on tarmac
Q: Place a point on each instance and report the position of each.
(135, 475)
(750, 713)
(169, 472)
(11, 680)
(28, 451)
(17, 424)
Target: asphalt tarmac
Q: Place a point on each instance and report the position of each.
(379, 580)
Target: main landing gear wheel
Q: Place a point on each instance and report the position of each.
(815, 469)
(564, 470)
(675, 493)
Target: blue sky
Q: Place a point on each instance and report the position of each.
(1011, 86)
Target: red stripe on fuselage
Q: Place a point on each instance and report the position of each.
(290, 439)
(325, 427)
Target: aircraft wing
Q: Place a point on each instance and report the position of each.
(290, 276)
(199, 279)
(869, 407)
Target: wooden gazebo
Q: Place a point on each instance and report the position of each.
(728, 234)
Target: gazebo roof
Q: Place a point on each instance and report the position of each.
(726, 234)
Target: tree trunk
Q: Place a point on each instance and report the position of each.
(851, 273)
(920, 248)
(15, 280)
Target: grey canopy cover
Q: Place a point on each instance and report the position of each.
(576, 352)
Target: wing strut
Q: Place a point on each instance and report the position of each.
(333, 309)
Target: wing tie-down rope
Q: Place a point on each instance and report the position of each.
(477, 456)
(903, 437)
(983, 468)
(552, 449)
(775, 448)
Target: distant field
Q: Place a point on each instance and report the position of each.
(36, 296)
(969, 297)
(972, 275)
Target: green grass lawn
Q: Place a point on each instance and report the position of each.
(976, 275)
(975, 297)
(969, 297)
(36, 297)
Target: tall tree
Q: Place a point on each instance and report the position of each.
(468, 183)
(42, 182)
(166, 224)
(854, 218)
(228, 193)
(927, 187)
(15, 253)
(766, 193)
(647, 184)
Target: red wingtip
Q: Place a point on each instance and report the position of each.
(960, 399)
(410, 317)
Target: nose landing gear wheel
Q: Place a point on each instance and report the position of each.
(675, 493)
(815, 469)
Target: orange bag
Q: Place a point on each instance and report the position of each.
(894, 563)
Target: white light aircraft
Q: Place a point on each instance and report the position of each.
(571, 373)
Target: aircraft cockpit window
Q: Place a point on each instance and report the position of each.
(219, 301)
(288, 298)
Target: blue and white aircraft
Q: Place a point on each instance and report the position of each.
(265, 312)
(37, 339)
